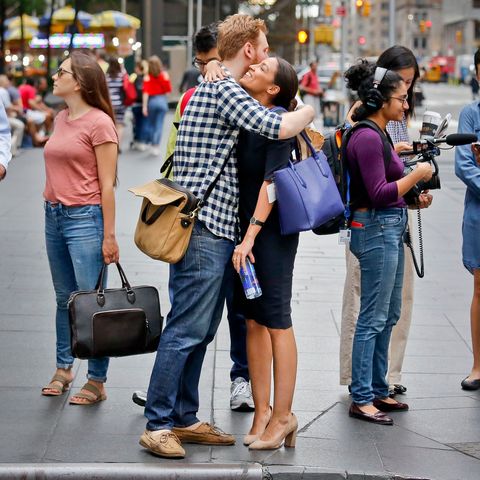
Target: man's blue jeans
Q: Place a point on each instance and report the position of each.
(378, 245)
(198, 290)
(73, 237)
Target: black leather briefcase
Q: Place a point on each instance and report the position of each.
(114, 322)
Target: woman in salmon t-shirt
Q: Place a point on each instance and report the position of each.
(155, 87)
(80, 164)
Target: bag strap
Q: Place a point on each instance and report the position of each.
(210, 188)
(384, 136)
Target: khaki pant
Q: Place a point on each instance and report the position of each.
(351, 309)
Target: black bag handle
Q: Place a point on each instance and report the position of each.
(125, 284)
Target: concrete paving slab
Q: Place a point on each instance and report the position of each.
(444, 426)
(428, 463)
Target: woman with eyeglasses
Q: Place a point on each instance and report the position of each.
(401, 60)
(378, 221)
(80, 165)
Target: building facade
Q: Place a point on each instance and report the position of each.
(461, 26)
(418, 26)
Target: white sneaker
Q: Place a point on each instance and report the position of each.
(241, 399)
(141, 147)
(155, 151)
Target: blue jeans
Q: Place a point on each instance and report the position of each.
(198, 289)
(378, 245)
(238, 329)
(157, 108)
(74, 237)
(237, 326)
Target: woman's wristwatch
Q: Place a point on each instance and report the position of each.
(254, 221)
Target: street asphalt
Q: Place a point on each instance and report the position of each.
(42, 437)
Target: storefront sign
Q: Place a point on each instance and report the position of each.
(62, 40)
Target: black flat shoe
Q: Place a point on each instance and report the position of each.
(389, 407)
(470, 384)
(379, 418)
(140, 398)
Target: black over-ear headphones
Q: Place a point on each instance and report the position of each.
(374, 99)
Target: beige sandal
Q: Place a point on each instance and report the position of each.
(57, 390)
(99, 396)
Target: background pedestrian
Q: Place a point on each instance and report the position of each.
(114, 78)
(467, 168)
(156, 86)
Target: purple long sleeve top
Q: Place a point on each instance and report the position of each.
(370, 185)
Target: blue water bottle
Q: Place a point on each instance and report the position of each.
(250, 281)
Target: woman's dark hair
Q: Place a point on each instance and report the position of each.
(92, 82)
(397, 58)
(286, 79)
(360, 79)
(114, 68)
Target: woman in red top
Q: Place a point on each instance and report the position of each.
(155, 87)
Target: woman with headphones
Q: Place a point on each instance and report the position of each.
(401, 60)
(378, 222)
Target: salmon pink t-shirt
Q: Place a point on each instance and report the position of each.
(70, 161)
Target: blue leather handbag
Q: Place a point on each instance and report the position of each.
(307, 194)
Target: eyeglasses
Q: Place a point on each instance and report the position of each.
(61, 71)
(404, 100)
(196, 62)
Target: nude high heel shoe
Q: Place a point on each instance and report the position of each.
(249, 439)
(288, 438)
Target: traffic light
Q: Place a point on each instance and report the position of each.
(327, 8)
(367, 6)
(302, 36)
(458, 36)
(362, 40)
(422, 26)
(359, 4)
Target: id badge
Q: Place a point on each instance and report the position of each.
(344, 236)
(271, 193)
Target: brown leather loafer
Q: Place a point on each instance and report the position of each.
(204, 434)
(380, 418)
(163, 443)
(389, 407)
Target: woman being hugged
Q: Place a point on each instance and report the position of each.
(269, 326)
(378, 223)
(80, 164)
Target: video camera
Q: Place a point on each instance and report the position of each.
(426, 150)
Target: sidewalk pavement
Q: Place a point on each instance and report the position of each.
(439, 438)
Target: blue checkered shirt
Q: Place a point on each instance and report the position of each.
(398, 131)
(206, 140)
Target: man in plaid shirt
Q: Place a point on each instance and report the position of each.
(205, 144)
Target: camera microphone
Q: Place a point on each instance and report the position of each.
(456, 139)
